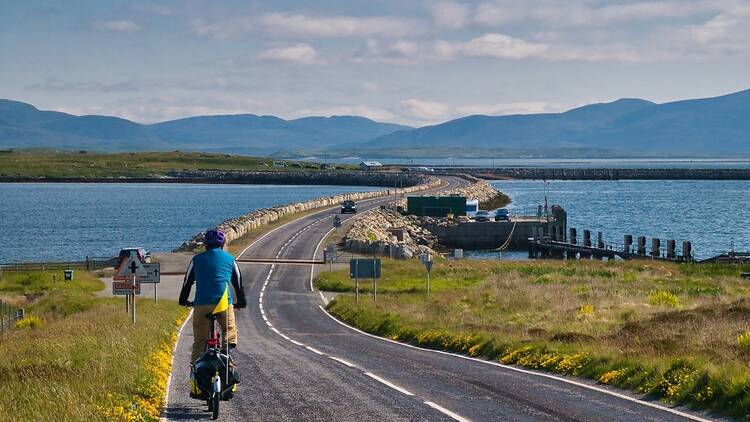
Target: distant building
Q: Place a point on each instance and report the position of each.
(369, 165)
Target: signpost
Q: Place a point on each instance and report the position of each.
(365, 268)
(125, 281)
(426, 259)
(153, 271)
(329, 255)
(336, 221)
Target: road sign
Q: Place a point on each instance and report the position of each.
(329, 254)
(426, 261)
(364, 268)
(153, 272)
(132, 266)
(124, 288)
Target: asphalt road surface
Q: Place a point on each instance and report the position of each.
(299, 364)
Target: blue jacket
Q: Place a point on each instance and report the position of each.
(212, 271)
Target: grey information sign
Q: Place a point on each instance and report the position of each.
(364, 268)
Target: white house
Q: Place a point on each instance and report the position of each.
(369, 165)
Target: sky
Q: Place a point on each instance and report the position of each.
(415, 62)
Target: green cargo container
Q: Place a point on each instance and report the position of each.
(436, 206)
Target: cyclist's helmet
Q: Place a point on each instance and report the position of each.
(214, 238)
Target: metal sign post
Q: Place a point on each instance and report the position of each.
(365, 268)
(427, 261)
(125, 282)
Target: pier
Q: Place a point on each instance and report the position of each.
(555, 244)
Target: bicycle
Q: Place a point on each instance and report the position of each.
(212, 375)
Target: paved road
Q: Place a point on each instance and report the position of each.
(298, 363)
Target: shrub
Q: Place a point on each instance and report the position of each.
(31, 321)
(585, 310)
(743, 340)
(664, 298)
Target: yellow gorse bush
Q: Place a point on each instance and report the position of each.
(585, 310)
(743, 341)
(664, 298)
(31, 321)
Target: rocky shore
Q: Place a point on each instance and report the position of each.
(237, 227)
(377, 231)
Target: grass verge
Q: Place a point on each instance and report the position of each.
(83, 359)
(676, 333)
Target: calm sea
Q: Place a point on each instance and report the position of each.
(59, 222)
(714, 215)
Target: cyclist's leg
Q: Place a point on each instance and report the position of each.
(200, 329)
(228, 326)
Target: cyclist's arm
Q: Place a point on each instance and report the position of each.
(187, 284)
(238, 287)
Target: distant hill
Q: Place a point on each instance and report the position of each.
(711, 126)
(24, 126)
(718, 126)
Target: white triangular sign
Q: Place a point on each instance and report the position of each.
(132, 267)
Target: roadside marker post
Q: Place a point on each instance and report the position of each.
(426, 259)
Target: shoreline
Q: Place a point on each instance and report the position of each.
(538, 173)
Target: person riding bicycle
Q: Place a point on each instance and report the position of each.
(212, 271)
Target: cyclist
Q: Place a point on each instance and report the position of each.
(212, 271)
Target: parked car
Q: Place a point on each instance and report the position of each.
(502, 214)
(348, 207)
(482, 215)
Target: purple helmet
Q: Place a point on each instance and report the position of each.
(215, 238)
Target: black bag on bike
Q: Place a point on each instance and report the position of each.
(210, 364)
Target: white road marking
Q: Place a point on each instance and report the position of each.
(314, 350)
(345, 362)
(275, 330)
(174, 350)
(447, 412)
(390, 384)
(296, 342)
(325, 300)
(524, 371)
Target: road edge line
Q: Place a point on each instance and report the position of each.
(171, 365)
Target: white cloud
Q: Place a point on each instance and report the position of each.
(299, 25)
(588, 12)
(448, 14)
(493, 45)
(116, 26)
(426, 112)
(299, 53)
(725, 33)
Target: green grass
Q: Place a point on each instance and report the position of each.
(677, 333)
(141, 164)
(82, 359)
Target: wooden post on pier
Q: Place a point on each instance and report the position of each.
(627, 243)
(687, 251)
(587, 238)
(573, 235)
(655, 247)
(641, 245)
(671, 246)
(599, 240)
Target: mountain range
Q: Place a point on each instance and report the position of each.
(718, 126)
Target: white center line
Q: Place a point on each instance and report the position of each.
(445, 411)
(390, 384)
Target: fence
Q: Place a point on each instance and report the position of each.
(90, 263)
(8, 316)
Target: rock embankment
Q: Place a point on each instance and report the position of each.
(301, 177)
(373, 232)
(237, 227)
(388, 233)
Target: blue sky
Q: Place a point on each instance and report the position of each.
(416, 62)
